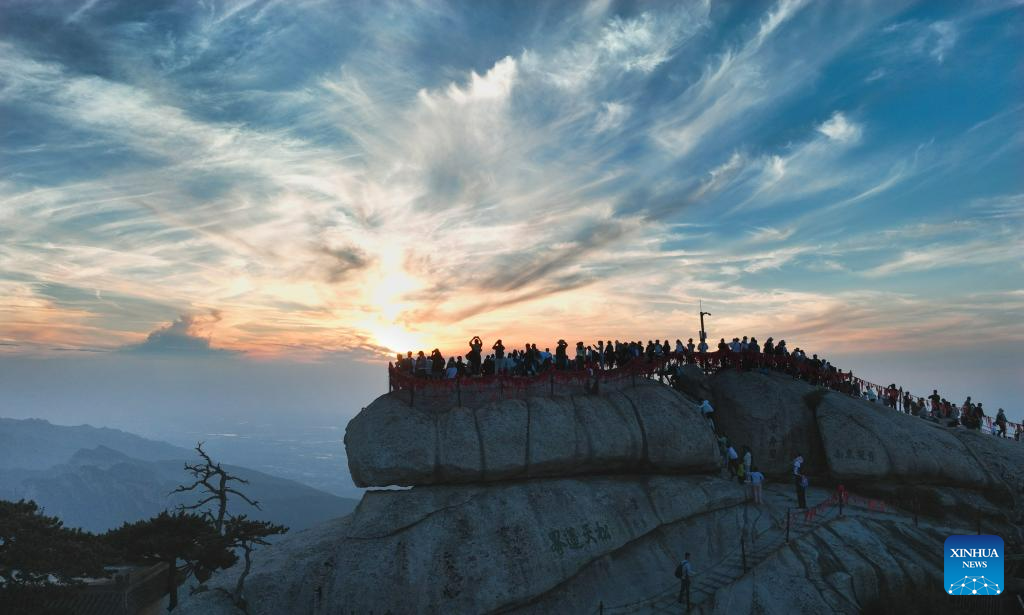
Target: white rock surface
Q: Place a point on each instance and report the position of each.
(562, 505)
(648, 427)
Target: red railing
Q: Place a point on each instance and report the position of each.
(476, 390)
(471, 391)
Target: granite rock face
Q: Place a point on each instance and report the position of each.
(767, 412)
(646, 428)
(571, 545)
(494, 547)
(693, 382)
(866, 442)
(574, 504)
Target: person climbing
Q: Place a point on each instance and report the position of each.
(733, 460)
(1001, 422)
(800, 481)
(756, 483)
(709, 413)
(684, 572)
(747, 459)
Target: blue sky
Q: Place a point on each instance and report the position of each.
(288, 181)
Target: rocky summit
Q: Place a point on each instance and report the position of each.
(586, 503)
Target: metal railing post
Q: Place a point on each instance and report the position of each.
(788, 515)
(743, 551)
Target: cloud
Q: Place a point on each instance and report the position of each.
(1003, 207)
(943, 37)
(611, 116)
(838, 128)
(385, 177)
(495, 85)
(183, 337)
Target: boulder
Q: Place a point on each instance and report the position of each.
(690, 380)
(868, 442)
(767, 412)
(574, 545)
(841, 568)
(648, 427)
(582, 503)
(500, 546)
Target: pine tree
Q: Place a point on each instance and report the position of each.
(41, 561)
(172, 538)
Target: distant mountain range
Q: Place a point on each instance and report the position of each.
(98, 478)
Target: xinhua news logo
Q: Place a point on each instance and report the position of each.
(974, 565)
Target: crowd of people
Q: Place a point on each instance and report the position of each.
(743, 353)
(531, 361)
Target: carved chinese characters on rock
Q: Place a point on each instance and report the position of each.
(578, 537)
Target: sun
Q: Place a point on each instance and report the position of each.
(396, 338)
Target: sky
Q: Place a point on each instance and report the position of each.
(240, 192)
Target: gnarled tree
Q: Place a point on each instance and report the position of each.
(244, 533)
(215, 485)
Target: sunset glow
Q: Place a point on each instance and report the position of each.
(590, 175)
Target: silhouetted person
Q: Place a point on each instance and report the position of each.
(473, 356)
(437, 364)
(561, 357)
(685, 573)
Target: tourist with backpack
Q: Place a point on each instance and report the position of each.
(1001, 423)
(684, 572)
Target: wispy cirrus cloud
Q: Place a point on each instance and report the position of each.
(390, 177)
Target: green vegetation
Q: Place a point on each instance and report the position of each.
(42, 563)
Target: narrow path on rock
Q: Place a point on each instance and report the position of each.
(762, 543)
